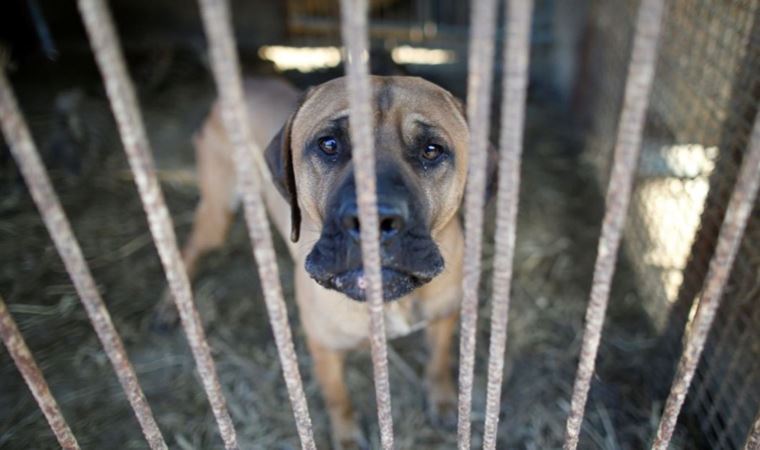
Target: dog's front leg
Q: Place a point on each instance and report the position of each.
(215, 210)
(441, 392)
(328, 367)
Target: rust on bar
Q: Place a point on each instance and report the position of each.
(226, 69)
(480, 75)
(354, 15)
(514, 83)
(25, 153)
(636, 99)
(731, 231)
(753, 438)
(32, 374)
(121, 93)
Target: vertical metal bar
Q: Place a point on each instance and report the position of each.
(226, 68)
(731, 231)
(354, 15)
(23, 150)
(354, 33)
(753, 438)
(32, 374)
(480, 75)
(637, 90)
(121, 93)
(514, 82)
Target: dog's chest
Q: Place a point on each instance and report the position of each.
(404, 317)
(341, 323)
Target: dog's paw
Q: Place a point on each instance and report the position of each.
(165, 316)
(442, 405)
(349, 436)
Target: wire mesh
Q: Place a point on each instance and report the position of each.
(226, 68)
(354, 32)
(636, 98)
(705, 90)
(514, 84)
(705, 98)
(732, 230)
(34, 378)
(38, 182)
(121, 93)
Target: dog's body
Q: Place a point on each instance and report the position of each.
(312, 188)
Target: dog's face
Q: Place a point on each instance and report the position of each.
(420, 138)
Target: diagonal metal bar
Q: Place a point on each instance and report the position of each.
(354, 15)
(480, 75)
(121, 93)
(731, 231)
(637, 90)
(32, 374)
(226, 68)
(24, 151)
(715, 371)
(514, 84)
(753, 438)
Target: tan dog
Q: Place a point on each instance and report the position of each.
(421, 141)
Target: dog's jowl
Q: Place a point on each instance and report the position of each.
(420, 138)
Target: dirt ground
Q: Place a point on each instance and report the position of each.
(560, 213)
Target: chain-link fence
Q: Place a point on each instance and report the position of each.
(705, 98)
(685, 90)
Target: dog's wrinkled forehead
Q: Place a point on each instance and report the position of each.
(397, 99)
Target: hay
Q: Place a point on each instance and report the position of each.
(558, 227)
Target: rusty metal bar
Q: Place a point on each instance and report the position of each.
(480, 75)
(226, 69)
(24, 151)
(637, 90)
(731, 231)
(121, 93)
(514, 83)
(753, 437)
(32, 374)
(354, 15)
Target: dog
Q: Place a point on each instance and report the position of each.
(421, 140)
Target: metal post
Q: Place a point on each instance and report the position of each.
(514, 84)
(731, 231)
(354, 15)
(25, 153)
(637, 90)
(32, 374)
(121, 93)
(753, 438)
(226, 68)
(480, 75)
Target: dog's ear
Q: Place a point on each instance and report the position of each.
(279, 157)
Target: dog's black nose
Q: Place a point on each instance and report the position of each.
(391, 220)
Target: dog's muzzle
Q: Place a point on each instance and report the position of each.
(409, 257)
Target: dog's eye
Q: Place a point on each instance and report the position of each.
(329, 145)
(431, 152)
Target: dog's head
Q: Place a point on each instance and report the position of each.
(421, 141)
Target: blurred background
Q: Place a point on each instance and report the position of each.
(705, 98)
